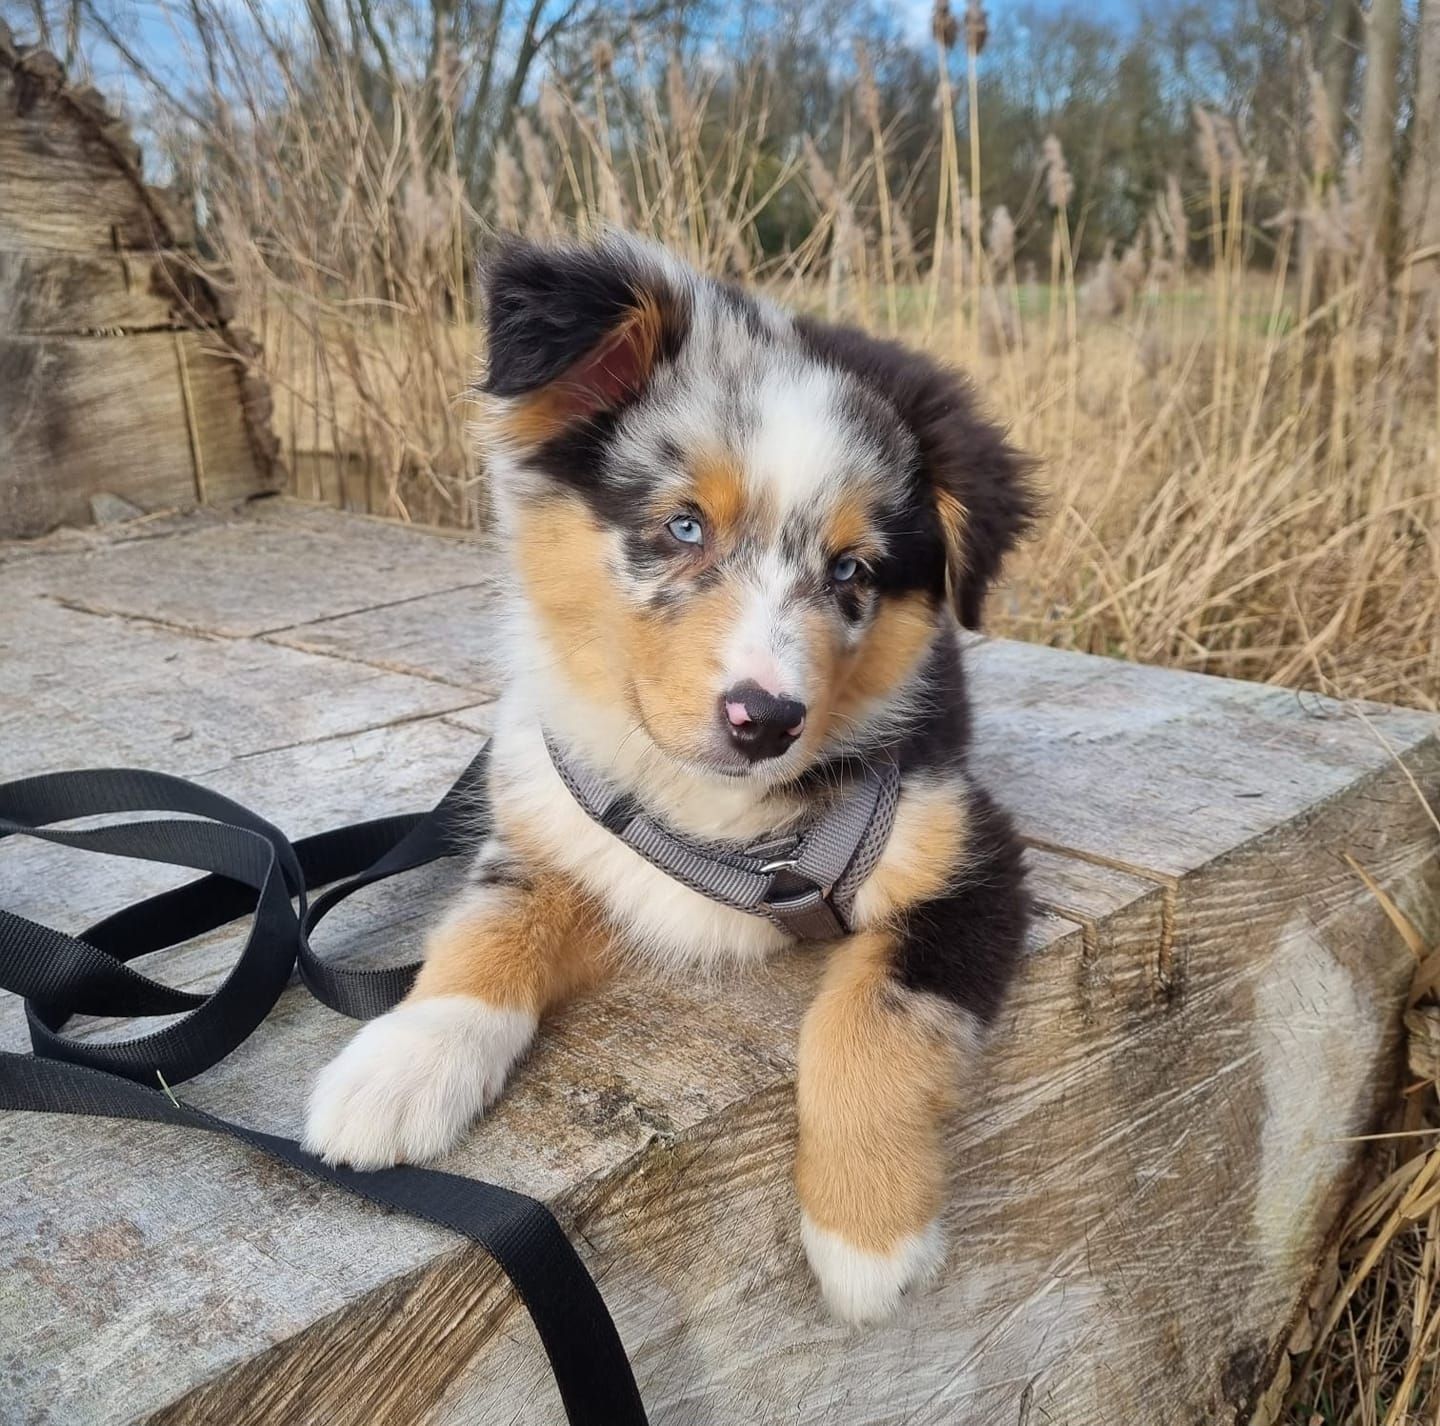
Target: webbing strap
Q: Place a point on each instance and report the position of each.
(805, 882)
(251, 866)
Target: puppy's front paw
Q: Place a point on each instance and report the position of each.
(405, 1088)
(861, 1286)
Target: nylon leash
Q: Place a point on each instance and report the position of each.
(252, 868)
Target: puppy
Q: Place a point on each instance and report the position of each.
(741, 542)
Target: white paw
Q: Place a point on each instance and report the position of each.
(866, 1287)
(407, 1086)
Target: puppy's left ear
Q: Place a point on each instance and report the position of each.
(978, 481)
(575, 331)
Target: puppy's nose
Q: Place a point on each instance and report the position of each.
(761, 724)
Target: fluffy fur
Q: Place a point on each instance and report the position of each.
(719, 515)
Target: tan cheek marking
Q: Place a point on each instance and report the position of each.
(876, 1077)
(518, 949)
(893, 645)
(675, 669)
(927, 845)
(561, 555)
(533, 420)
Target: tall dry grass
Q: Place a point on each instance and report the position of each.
(1240, 434)
(1242, 459)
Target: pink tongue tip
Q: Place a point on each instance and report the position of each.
(737, 713)
(797, 729)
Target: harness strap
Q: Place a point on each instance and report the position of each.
(252, 866)
(804, 882)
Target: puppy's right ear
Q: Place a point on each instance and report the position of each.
(576, 331)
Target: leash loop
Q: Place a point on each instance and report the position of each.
(252, 868)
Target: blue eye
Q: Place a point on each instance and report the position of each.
(844, 570)
(687, 529)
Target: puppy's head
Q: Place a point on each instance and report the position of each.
(738, 532)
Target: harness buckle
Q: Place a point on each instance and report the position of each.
(784, 864)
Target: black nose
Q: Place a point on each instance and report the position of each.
(761, 724)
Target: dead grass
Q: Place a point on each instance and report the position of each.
(1243, 476)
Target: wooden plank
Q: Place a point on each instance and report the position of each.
(58, 294)
(88, 249)
(78, 415)
(89, 215)
(279, 565)
(1139, 1193)
(46, 293)
(1252, 755)
(81, 688)
(449, 635)
(1142, 1180)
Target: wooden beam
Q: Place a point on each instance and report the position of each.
(1141, 1190)
(89, 251)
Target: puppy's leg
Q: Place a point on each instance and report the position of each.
(878, 1069)
(890, 1042)
(408, 1085)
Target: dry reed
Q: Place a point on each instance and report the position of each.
(1238, 483)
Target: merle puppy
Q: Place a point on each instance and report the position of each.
(741, 543)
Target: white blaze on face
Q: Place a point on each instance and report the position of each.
(797, 459)
(765, 646)
(801, 446)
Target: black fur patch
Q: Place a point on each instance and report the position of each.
(915, 558)
(965, 946)
(960, 451)
(576, 460)
(936, 742)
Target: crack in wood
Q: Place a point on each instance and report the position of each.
(1162, 965)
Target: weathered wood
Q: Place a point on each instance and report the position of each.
(155, 417)
(1143, 1183)
(71, 171)
(106, 382)
(318, 569)
(47, 294)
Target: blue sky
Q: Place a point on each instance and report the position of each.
(160, 33)
(914, 15)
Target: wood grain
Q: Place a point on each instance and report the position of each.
(80, 414)
(1139, 1197)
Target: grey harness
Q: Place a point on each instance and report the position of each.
(805, 882)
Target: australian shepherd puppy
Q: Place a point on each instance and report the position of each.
(741, 545)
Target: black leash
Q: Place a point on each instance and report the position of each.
(253, 867)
